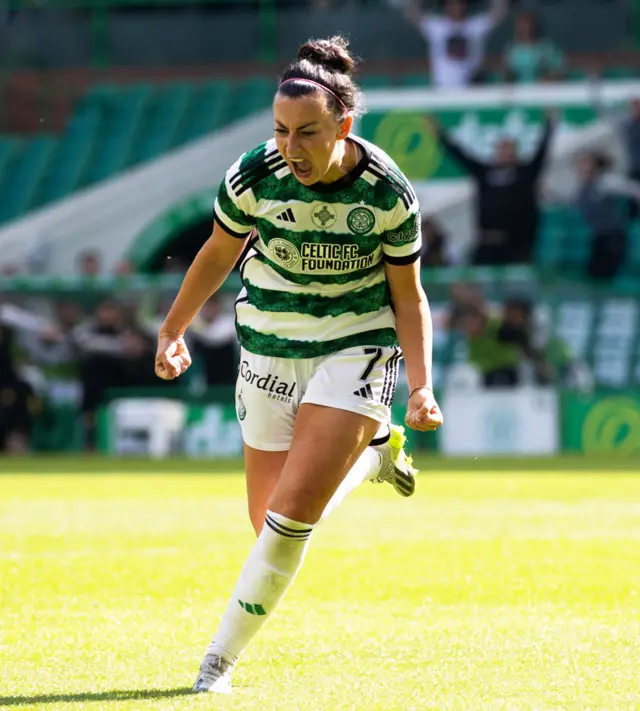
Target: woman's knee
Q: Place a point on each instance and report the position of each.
(299, 503)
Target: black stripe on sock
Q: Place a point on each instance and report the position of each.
(378, 441)
(285, 531)
(290, 530)
(286, 535)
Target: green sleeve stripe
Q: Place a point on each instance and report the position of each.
(270, 345)
(229, 208)
(234, 233)
(363, 301)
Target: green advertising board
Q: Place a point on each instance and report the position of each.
(605, 422)
(208, 427)
(212, 430)
(408, 138)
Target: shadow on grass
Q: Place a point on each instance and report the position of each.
(117, 695)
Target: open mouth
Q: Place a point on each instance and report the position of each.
(301, 167)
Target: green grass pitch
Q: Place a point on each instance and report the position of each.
(486, 591)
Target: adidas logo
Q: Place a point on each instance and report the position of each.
(365, 391)
(286, 216)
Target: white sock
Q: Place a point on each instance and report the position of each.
(267, 573)
(366, 467)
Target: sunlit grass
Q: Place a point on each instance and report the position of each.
(483, 592)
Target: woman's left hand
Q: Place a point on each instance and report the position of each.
(423, 413)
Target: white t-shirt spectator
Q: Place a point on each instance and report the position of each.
(456, 48)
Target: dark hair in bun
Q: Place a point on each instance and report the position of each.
(331, 53)
(326, 62)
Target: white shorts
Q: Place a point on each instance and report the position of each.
(270, 390)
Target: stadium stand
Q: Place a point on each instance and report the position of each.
(117, 126)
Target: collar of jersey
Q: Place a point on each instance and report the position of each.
(350, 177)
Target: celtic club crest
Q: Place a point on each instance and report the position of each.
(361, 220)
(241, 409)
(324, 216)
(284, 253)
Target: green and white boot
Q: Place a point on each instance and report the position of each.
(397, 466)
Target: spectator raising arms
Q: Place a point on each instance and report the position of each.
(18, 402)
(532, 57)
(599, 200)
(627, 125)
(456, 40)
(507, 200)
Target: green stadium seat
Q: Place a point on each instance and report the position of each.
(573, 323)
(577, 75)
(564, 240)
(614, 340)
(252, 95)
(550, 238)
(620, 73)
(22, 175)
(72, 155)
(633, 261)
(7, 148)
(369, 82)
(162, 118)
(209, 109)
(415, 80)
(123, 112)
(493, 77)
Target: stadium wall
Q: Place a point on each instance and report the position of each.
(49, 36)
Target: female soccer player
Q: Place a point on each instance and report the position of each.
(331, 287)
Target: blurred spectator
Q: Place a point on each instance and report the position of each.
(89, 263)
(434, 245)
(498, 344)
(630, 129)
(101, 347)
(214, 341)
(517, 328)
(498, 363)
(531, 56)
(599, 200)
(18, 403)
(138, 351)
(464, 297)
(456, 40)
(628, 126)
(124, 268)
(507, 200)
(8, 270)
(54, 350)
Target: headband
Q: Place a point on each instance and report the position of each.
(322, 86)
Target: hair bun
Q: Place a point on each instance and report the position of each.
(330, 53)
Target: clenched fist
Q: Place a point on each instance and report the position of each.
(172, 357)
(423, 413)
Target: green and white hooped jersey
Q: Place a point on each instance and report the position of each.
(314, 281)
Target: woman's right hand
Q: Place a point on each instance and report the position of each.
(172, 357)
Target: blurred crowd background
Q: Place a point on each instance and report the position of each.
(545, 292)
